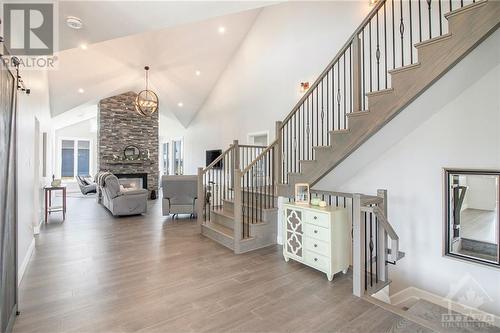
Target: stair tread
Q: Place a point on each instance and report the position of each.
(432, 40)
(465, 8)
(358, 114)
(247, 205)
(219, 228)
(230, 215)
(342, 131)
(376, 93)
(403, 68)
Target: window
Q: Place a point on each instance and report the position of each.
(172, 157)
(178, 158)
(75, 158)
(165, 160)
(473, 215)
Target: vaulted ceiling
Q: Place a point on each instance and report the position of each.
(176, 39)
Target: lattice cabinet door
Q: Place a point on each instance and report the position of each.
(294, 234)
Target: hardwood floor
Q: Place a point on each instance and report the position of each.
(96, 273)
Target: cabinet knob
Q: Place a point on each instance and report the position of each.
(315, 245)
(315, 217)
(315, 231)
(315, 259)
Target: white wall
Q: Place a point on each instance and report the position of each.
(456, 123)
(289, 43)
(86, 129)
(30, 107)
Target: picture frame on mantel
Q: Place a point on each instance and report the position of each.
(302, 194)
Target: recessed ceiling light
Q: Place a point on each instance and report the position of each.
(81, 91)
(74, 22)
(83, 46)
(222, 29)
(198, 73)
(180, 104)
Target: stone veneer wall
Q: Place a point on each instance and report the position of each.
(119, 125)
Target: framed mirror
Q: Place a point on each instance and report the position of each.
(131, 153)
(472, 215)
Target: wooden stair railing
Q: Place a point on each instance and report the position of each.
(372, 251)
(258, 183)
(217, 182)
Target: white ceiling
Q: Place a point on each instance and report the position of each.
(174, 54)
(110, 19)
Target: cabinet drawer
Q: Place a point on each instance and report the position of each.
(313, 231)
(317, 261)
(317, 246)
(319, 219)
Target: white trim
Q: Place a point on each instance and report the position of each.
(416, 294)
(26, 260)
(36, 228)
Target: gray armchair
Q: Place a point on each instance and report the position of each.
(179, 195)
(122, 202)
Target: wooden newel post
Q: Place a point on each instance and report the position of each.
(236, 152)
(356, 74)
(238, 210)
(200, 201)
(278, 153)
(358, 251)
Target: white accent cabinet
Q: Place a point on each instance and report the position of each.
(317, 237)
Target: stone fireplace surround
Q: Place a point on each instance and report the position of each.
(119, 125)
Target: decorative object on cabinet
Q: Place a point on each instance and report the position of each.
(315, 201)
(317, 237)
(322, 204)
(302, 194)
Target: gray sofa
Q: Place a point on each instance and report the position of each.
(120, 201)
(179, 195)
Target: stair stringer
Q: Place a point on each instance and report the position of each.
(468, 27)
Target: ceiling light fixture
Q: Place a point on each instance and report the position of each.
(146, 102)
(198, 73)
(81, 90)
(74, 22)
(83, 46)
(180, 104)
(222, 29)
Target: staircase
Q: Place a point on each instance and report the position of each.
(238, 211)
(375, 76)
(400, 49)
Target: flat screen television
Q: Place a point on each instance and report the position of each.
(212, 156)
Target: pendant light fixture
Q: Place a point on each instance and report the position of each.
(146, 102)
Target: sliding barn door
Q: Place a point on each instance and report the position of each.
(8, 211)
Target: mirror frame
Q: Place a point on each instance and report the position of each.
(447, 218)
(133, 157)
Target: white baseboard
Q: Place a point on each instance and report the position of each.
(415, 294)
(36, 228)
(26, 260)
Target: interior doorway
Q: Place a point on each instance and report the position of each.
(259, 138)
